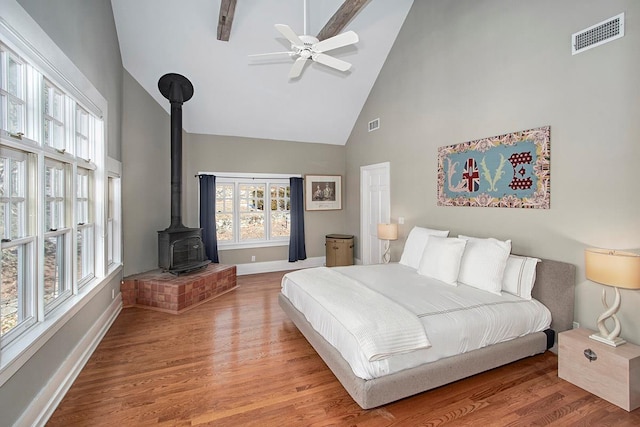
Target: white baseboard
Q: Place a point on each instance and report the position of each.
(43, 406)
(269, 266)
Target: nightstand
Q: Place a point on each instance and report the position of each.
(612, 373)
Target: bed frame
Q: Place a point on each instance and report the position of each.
(555, 282)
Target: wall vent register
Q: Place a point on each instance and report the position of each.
(598, 34)
(374, 124)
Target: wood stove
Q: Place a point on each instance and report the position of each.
(180, 248)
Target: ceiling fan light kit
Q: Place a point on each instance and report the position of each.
(306, 47)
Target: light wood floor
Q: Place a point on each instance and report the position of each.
(238, 360)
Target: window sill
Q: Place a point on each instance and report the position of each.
(251, 245)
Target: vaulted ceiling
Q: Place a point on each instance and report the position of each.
(253, 97)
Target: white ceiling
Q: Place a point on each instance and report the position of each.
(237, 96)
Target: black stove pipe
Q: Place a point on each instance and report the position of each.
(177, 89)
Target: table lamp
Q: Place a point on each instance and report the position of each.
(619, 270)
(387, 232)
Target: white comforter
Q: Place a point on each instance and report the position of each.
(456, 319)
(381, 326)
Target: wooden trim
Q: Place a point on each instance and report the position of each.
(225, 19)
(341, 18)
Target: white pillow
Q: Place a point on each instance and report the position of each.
(520, 276)
(415, 244)
(441, 259)
(483, 263)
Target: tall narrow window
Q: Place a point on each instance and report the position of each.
(85, 230)
(17, 305)
(12, 92)
(224, 212)
(252, 221)
(56, 262)
(53, 114)
(280, 210)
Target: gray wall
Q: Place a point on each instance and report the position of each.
(146, 171)
(209, 153)
(147, 176)
(86, 33)
(462, 70)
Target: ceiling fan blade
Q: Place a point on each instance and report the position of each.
(286, 31)
(335, 42)
(256, 55)
(330, 61)
(297, 67)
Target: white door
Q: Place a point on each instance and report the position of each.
(375, 208)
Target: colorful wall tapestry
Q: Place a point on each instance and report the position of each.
(506, 171)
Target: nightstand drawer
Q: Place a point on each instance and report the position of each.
(613, 374)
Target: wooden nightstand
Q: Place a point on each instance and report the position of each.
(613, 374)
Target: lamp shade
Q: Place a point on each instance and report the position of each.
(387, 231)
(613, 268)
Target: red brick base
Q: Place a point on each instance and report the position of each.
(161, 291)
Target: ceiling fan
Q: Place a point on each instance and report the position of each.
(305, 48)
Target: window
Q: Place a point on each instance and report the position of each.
(17, 257)
(84, 145)
(12, 92)
(252, 212)
(85, 230)
(56, 215)
(57, 283)
(53, 116)
(113, 221)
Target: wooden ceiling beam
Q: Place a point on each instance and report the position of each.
(341, 18)
(225, 19)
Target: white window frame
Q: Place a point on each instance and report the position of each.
(84, 226)
(6, 96)
(24, 243)
(22, 36)
(114, 214)
(58, 229)
(236, 179)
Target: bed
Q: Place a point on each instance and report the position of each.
(388, 377)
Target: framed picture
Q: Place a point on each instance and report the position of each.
(323, 192)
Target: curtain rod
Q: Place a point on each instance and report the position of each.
(254, 176)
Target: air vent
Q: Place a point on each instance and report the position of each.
(598, 34)
(374, 125)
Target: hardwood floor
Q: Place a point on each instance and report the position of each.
(239, 361)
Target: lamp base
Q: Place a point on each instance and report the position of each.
(617, 341)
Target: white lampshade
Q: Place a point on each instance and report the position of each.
(388, 231)
(613, 268)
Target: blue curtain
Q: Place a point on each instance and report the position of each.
(296, 238)
(208, 216)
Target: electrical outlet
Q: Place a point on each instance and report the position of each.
(253, 258)
(576, 325)
(400, 220)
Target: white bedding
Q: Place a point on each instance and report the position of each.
(456, 319)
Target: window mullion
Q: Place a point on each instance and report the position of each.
(236, 212)
(267, 210)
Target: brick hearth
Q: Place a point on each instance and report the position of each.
(162, 291)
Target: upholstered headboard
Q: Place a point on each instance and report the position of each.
(555, 285)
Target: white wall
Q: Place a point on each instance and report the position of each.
(466, 69)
